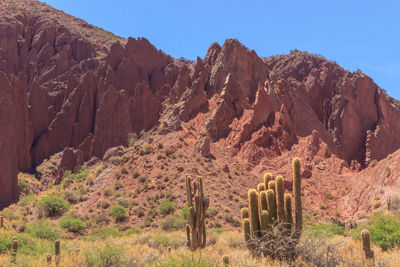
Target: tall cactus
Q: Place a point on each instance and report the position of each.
(264, 221)
(196, 228)
(288, 212)
(366, 241)
(244, 213)
(1, 221)
(271, 205)
(254, 213)
(280, 205)
(297, 195)
(57, 251)
(272, 186)
(246, 230)
(14, 247)
(262, 201)
(270, 216)
(267, 177)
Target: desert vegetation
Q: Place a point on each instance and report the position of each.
(46, 229)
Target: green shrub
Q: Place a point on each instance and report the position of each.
(108, 192)
(167, 207)
(326, 230)
(118, 213)
(53, 205)
(5, 241)
(43, 229)
(139, 211)
(23, 185)
(173, 223)
(146, 149)
(185, 212)
(219, 230)
(52, 167)
(385, 230)
(72, 224)
(115, 160)
(123, 201)
(71, 196)
(70, 177)
(109, 255)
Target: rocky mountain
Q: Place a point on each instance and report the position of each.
(70, 88)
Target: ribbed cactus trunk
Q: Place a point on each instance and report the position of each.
(288, 212)
(262, 201)
(246, 231)
(254, 213)
(280, 192)
(271, 206)
(297, 196)
(366, 241)
(14, 250)
(57, 251)
(196, 228)
(267, 177)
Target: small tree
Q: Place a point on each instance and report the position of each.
(118, 213)
(53, 205)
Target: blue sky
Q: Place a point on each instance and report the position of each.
(356, 34)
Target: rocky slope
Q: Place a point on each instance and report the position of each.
(69, 87)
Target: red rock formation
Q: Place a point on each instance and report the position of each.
(82, 94)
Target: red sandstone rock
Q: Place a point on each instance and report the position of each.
(82, 94)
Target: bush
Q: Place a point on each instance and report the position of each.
(71, 196)
(118, 213)
(42, 229)
(72, 224)
(385, 230)
(139, 211)
(115, 160)
(167, 207)
(108, 192)
(5, 241)
(53, 205)
(146, 149)
(124, 202)
(172, 223)
(109, 255)
(151, 214)
(70, 177)
(185, 212)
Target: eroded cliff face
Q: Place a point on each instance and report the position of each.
(61, 90)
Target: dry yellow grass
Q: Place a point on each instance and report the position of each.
(168, 249)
